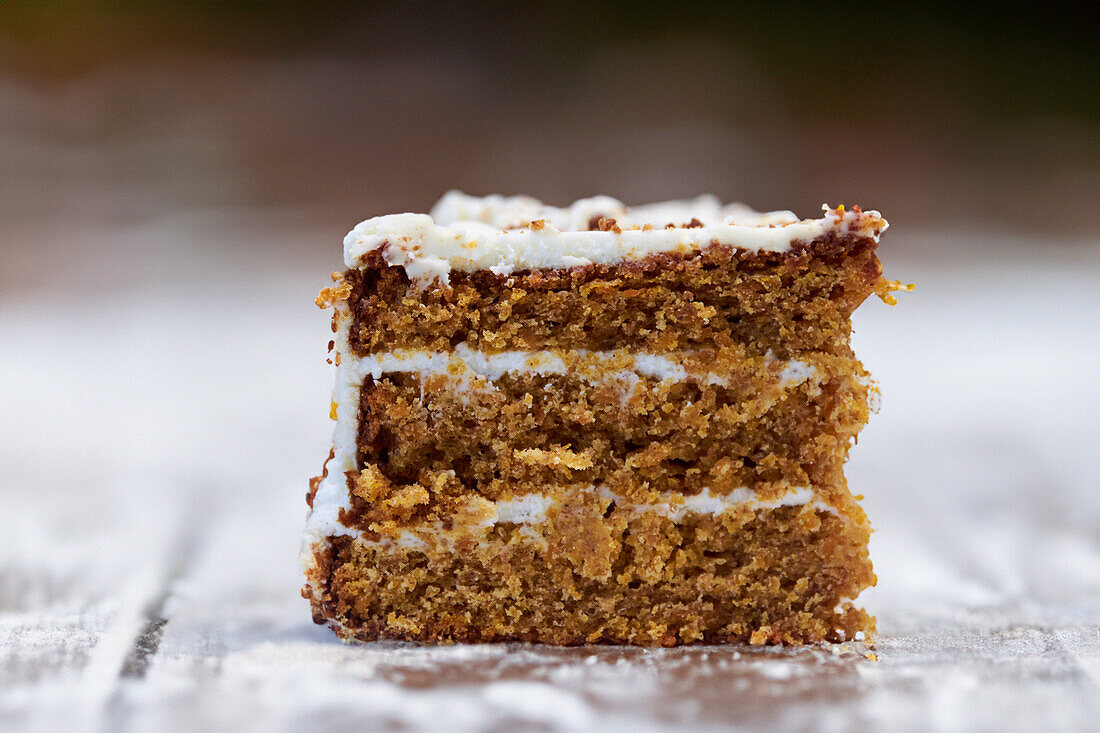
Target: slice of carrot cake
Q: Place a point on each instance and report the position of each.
(595, 424)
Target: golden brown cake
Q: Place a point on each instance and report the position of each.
(595, 425)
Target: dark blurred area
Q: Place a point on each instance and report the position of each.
(936, 114)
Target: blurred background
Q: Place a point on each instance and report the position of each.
(175, 182)
(931, 112)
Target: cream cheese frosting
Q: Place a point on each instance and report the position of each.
(532, 510)
(464, 362)
(506, 234)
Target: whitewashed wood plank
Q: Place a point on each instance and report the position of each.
(111, 472)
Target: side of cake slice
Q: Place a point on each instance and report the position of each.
(595, 424)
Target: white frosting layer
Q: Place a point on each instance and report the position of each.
(464, 362)
(513, 212)
(714, 504)
(529, 509)
(532, 510)
(505, 234)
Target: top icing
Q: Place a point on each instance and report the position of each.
(504, 234)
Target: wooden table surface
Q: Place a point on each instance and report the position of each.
(160, 417)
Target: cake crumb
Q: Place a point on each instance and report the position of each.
(607, 224)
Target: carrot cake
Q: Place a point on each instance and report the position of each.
(595, 424)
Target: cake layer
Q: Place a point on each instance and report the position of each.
(641, 436)
(785, 302)
(773, 575)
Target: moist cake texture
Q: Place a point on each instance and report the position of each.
(595, 424)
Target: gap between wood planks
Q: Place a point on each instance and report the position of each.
(145, 645)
